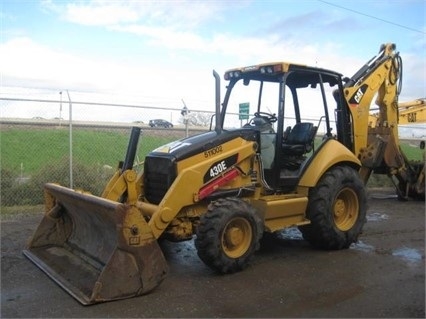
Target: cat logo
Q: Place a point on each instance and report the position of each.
(357, 97)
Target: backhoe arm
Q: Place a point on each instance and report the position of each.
(378, 146)
(380, 78)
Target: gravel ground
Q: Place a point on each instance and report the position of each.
(383, 275)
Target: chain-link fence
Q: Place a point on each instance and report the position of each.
(79, 144)
(75, 144)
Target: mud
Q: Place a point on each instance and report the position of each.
(383, 275)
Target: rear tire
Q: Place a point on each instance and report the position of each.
(228, 235)
(337, 210)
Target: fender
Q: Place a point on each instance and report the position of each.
(322, 161)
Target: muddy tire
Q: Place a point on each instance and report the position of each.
(337, 210)
(228, 235)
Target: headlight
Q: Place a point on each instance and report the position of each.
(267, 69)
(236, 74)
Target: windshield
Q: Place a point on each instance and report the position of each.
(303, 95)
(244, 102)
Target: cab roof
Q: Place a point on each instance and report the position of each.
(273, 72)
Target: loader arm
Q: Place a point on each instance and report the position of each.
(125, 184)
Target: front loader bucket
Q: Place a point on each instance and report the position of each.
(96, 249)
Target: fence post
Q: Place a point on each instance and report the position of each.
(70, 125)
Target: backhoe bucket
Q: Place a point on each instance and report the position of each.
(96, 249)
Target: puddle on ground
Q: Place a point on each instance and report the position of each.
(408, 254)
(361, 246)
(383, 196)
(292, 233)
(376, 217)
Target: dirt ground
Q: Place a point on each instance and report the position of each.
(383, 275)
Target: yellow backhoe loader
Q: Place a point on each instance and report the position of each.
(228, 186)
(410, 112)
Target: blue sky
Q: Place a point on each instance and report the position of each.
(159, 52)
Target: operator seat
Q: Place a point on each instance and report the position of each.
(267, 139)
(300, 139)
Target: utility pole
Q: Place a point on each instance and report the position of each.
(184, 113)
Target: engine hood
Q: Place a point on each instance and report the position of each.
(190, 146)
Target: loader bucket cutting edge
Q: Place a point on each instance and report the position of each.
(96, 249)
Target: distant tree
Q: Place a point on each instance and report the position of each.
(197, 119)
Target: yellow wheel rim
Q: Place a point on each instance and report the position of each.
(236, 237)
(346, 209)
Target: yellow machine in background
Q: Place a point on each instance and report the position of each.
(410, 112)
(228, 186)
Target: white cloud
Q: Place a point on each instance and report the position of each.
(33, 65)
(47, 67)
(181, 14)
(34, 62)
(105, 14)
(173, 27)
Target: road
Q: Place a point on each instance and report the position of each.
(383, 275)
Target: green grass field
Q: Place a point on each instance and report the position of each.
(36, 148)
(32, 157)
(412, 151)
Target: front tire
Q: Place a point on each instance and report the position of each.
(228, 235)
(337, 210)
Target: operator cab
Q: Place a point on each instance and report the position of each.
(291, 115)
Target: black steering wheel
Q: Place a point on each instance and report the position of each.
(271, 118)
